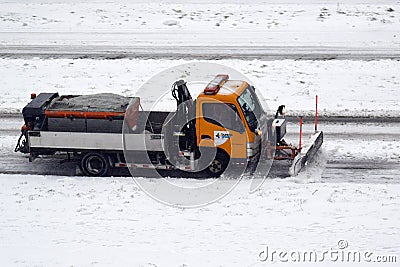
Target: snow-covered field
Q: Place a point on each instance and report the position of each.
(345, 87)
(49, 221)
(131, 23)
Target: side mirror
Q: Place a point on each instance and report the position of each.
(280, 111)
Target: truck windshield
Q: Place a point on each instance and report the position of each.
(251, 107)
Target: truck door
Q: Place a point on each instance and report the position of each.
(222, 124)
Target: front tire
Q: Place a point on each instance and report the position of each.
(95, 164)
(218, 165)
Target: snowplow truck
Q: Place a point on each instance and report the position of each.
(225, 125)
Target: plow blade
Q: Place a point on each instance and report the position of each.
(307, 153)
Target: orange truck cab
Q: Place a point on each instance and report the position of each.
(228, 118)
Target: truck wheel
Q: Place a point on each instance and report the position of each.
(94, 164)
(218, 165)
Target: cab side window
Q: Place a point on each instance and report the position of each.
(223, 115)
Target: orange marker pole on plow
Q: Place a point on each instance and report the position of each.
(301, 131)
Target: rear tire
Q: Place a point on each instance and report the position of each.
(95, 164)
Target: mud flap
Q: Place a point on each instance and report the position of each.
(307, 153)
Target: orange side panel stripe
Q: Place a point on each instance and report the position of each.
(82, 114)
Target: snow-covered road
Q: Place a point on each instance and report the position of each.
(352, 152)
(192, 52)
